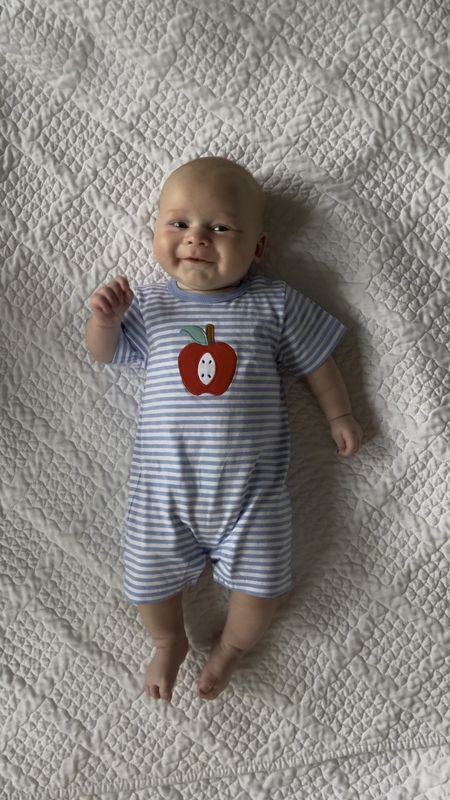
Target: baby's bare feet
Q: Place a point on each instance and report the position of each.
(162, 671)
(218, 669)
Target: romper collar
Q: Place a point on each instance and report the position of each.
(208, 298)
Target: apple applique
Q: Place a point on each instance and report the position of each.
(206, 366)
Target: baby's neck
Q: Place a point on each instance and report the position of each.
(209, 291)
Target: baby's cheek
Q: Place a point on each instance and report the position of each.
(158, 246)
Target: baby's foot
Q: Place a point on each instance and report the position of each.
(218, 669)
(162, 671)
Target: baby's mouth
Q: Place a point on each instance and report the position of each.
(198, 260)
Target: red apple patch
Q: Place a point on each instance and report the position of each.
(206, 366)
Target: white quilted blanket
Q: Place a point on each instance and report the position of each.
(341, 110)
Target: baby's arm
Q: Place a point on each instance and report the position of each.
(327, 385)
(101, 341)
(108, 305)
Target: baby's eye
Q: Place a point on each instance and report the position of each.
(222, 228)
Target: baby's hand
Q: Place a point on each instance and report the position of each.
(110, 302)
(347, 434)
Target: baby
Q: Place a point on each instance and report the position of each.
(210, 462)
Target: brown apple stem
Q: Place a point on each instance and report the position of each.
(210, 333)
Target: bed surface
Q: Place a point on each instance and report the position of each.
(341, 111)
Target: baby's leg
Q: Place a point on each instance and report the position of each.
(248, 619)
(164, 622)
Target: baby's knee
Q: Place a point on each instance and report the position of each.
(248, 619)
(284, 598)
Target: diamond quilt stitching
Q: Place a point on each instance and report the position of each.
(339, 109)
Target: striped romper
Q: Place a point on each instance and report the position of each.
(209, 468)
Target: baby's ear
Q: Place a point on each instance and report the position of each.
(260, 246)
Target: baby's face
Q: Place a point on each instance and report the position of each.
(207, 233)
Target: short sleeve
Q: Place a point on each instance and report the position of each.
(132, 345)
(309, 334)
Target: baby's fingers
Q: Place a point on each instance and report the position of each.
(105, 299)
(347, 443)
(347, 434)
(126, 289)
(342, 444)
(350, 445)
(98, 302)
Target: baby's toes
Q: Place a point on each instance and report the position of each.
(209, 694)
(161, 692)
(165, 692)
(206, 688)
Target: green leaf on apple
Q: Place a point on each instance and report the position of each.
(196, 333)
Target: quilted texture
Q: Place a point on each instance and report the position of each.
(341, 111)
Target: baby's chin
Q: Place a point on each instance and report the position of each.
(200, 280)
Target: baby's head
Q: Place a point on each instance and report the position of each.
(209, 228)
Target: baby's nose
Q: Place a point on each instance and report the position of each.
(197, 235)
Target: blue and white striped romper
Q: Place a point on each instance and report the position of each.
(210, 461)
